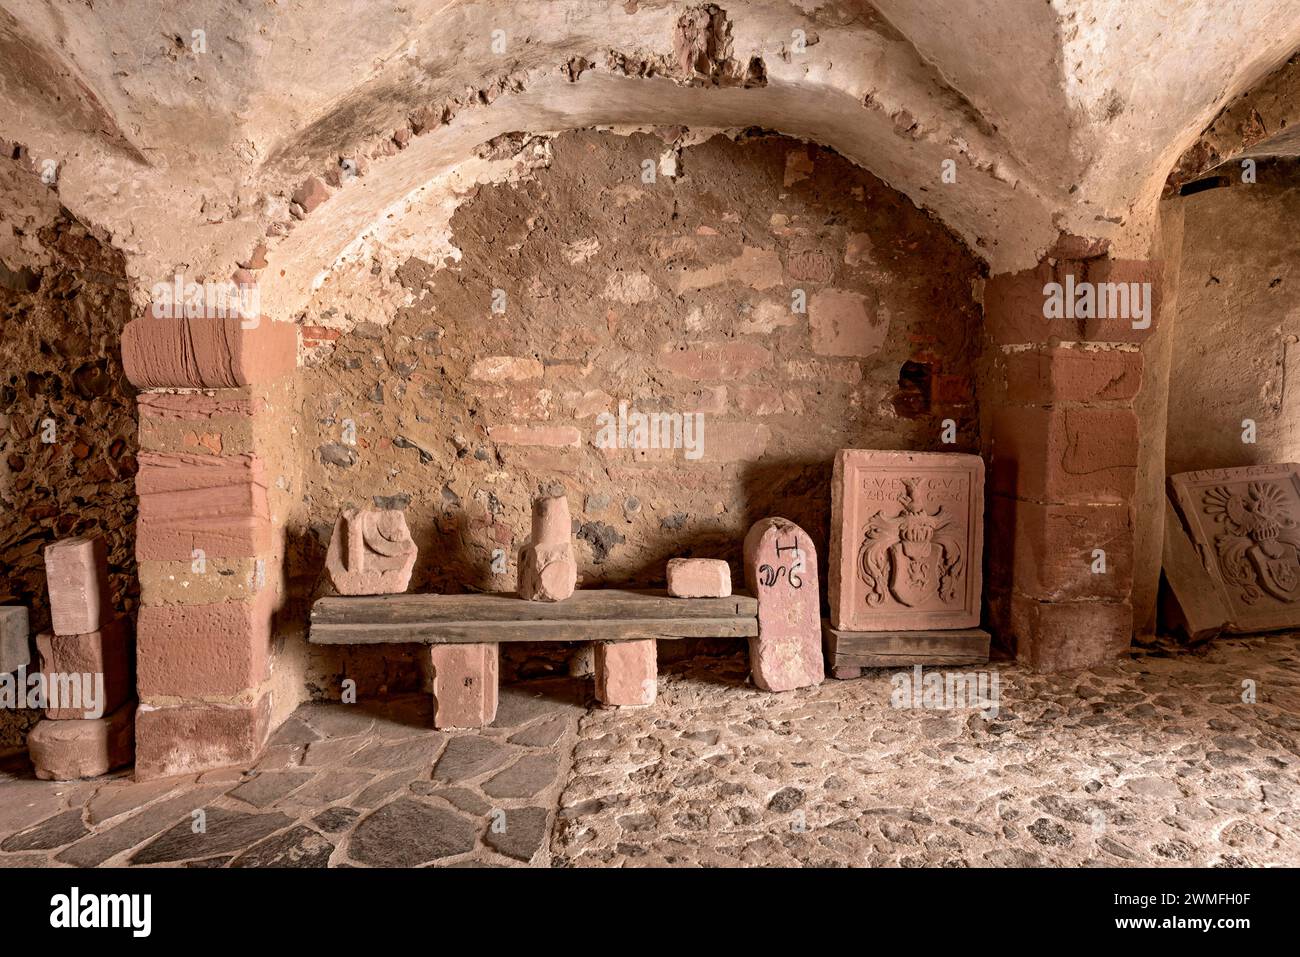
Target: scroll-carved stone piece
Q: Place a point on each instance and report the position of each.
(547, 568)
(370, 552)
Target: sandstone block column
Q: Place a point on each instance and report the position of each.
(215, 466)
(1063, 442)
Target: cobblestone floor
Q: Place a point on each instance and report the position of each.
(1156, 760)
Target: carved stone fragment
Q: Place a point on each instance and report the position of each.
(370, 552)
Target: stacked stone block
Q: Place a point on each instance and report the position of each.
(85, 662)
(1064, 455)
(212, 486)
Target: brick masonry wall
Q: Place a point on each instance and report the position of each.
(673, 296)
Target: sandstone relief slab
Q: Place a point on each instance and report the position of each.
(1244, 524)
(907, 539)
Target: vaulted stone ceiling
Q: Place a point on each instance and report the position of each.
(185, 146)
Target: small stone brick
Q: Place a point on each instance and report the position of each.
(699, 578)
(66, 750)
(733, 441)
(311, 194)
(506, 368)
(106, 653)
(546, 435)
(756, 400)
(843, 323)
(76, 572)
(190, 738)
(464, 685)
(731, 359)
(15, 651)
(627, 673)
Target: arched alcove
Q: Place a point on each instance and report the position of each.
(781, 300)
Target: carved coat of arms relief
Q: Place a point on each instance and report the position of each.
(1257, 540)
(906, 540)
(914, 555)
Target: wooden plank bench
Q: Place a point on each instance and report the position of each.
(465, 631)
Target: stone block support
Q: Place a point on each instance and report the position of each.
(76, 574)
(103, 655)
(627, 673)
(464, 685)
(192, 737)
(66, 750)
(1063, 440)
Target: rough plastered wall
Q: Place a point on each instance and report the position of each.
(1236, 348)
(63, 302)
(673, 296)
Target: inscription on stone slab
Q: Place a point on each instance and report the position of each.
(781, 571)
(907, 538)
(1245, 526)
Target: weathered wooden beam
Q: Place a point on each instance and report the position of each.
(605, 614)
(888, 649)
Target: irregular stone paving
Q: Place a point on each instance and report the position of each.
(1156, 760)
(338, 786)
(1153, 761)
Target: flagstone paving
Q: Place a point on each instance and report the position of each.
(1170, 757)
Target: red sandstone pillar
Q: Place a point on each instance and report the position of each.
(210, 553)
(1063, 443)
